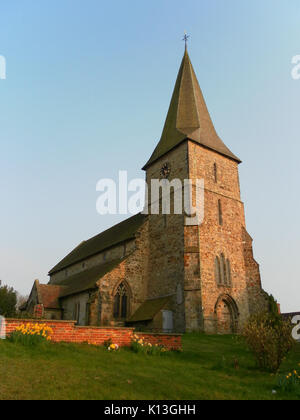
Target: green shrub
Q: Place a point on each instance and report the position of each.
(270, 339)
(273, 306)
(290, 382)
(8, 301)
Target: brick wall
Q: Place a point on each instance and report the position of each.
(67, 331)
(38, 311)
(171, 341)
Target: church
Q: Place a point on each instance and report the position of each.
(155, 272)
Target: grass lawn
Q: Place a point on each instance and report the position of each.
(205, 370)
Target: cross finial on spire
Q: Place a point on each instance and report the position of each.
(185, 39)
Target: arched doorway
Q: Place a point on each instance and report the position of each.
(227, 314)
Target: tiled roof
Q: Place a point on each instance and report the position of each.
(119, 233)
(148, 309)
(49, 295)
(290, 315)
(86, 280)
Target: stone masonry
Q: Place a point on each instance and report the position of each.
(155, 272)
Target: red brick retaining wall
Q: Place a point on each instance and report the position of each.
(67, 331)
(171, 341)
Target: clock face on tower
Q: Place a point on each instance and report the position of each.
(165, 171)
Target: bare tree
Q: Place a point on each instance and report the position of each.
(21, 300)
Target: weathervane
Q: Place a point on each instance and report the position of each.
(185, 39)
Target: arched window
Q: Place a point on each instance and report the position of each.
(121, 302)
(228, 272)
(218, 270)
(215, 172)
(223, 270)
(220, 212)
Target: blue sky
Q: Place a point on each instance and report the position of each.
(87, 90)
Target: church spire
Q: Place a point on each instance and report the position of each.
(188, 117)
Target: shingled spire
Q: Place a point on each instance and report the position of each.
(188, 117)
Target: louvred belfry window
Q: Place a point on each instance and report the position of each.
(223, 271)
(121, 302)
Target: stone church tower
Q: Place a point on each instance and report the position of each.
(210, 267)
(156, 271)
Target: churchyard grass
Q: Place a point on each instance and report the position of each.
(210, 367)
